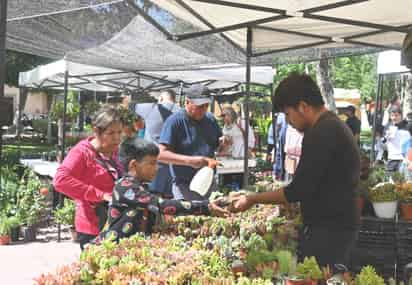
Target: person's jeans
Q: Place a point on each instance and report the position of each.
(84, 239)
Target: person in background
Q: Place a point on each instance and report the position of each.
(293, 148)
(271, 146)
(396, 134)
(234, 134)
(279, 165)
(89, 171)
(134, 208)
(131, 122)
(395, 102)
(353, 123)
(188, 141)
(155, 115)
(379, 144)
(326, 179)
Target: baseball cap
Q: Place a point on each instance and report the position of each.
(198, 94)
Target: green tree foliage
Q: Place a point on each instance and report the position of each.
(18, 62)
(356, 72)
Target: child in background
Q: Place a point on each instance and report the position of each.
(133, 208)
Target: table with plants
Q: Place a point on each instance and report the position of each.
(258, 246)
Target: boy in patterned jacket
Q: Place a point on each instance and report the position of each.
(133, 208)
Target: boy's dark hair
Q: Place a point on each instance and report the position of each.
(137, 149)
(295, 88)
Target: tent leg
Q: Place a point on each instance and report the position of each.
(63, 146)
(378, 109)
(246, 107)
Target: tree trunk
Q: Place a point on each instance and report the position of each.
(407, 102)
(325, 83)
(60, 132)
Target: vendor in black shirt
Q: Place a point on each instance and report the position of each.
(353, 123)
(326, 178)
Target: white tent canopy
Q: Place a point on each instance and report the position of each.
(284, 25)
(95, 78)
(390, 62)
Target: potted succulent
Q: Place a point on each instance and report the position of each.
(384, 199)
(308, 271)
(368, 276)
(65, 216)
(405, 198)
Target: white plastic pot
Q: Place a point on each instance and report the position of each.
(385, 209)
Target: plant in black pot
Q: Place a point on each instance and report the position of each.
(65, 216)
(30, 204)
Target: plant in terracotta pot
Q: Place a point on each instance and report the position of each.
(384, 199)
(368, 276)
(405, 198)
(65, 216)
(6, 226)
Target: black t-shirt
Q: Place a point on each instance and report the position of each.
(327, 176)
(354, 124)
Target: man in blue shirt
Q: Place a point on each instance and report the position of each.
(189, 138)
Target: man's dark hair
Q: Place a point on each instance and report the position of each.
(137, 149)
(295, 88)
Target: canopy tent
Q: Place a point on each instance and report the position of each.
(87, 77)
(390, 62)
(185, 34)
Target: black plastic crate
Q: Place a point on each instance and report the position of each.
(405, 229)
(373, 239)
(369, 224)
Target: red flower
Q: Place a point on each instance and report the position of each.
(114, 213)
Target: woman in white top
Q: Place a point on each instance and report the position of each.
(233, 135)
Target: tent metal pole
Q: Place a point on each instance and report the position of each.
(274, 118)
(61, 197)
(3, 21)
(3, 24)
(375, 121)
(246, 106)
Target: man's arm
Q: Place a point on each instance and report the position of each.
(166, 155)
(243, 202)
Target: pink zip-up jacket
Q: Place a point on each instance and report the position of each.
(83, 179)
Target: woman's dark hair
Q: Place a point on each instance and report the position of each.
(136, 149)
(295, 88)
(105, 116)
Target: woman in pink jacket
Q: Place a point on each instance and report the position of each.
(88, 173)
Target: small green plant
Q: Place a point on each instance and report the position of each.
(65, 215)
(7, 224)
(383, 192)
(309, 269)
(368, 276)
